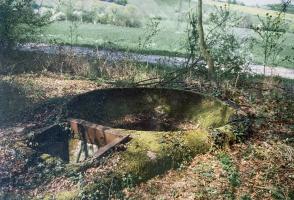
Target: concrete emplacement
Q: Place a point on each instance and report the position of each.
(102, 119)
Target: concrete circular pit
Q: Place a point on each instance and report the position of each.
(161, 128)
(147, 109)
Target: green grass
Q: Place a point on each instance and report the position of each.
(170, 40)
(110, 36)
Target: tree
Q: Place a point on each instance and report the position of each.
(230, 53)
(202, 43)
(271, 31)
(19, 22)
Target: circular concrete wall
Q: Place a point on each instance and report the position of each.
(149, 109)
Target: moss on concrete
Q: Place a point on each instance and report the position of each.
(151, 153)
(147, 155)
(224, 136)
(50, 160)
(212, 114)
(67, 195)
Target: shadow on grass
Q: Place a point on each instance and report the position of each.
(13, 102)
(16, 106)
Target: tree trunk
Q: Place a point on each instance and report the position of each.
(203, 47)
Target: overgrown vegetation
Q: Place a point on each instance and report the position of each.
(232, 173)
(230, 54)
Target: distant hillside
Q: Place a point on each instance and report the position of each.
(137, 12)
(150, 8)
(162, 8)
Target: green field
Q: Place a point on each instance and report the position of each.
(171, 37)
(110, 36)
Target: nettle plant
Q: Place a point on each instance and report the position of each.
(271, 35)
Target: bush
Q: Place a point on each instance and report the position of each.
(129, 17)
(88, 16)
(121, 2)
(59, 16)
(19, 22)
(230, 53)
(279, 7)
(116, 15)
(105, 14)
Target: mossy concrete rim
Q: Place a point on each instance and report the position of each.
(157, 88)
(108, 107)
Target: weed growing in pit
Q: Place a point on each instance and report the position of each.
(109, 187)
(246, 197)
(278, 194)
(233, 174)
(228, 166)
(178, 151)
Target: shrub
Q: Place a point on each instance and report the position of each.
(131, 17)
(230, 53)
(117, 15)
(19, 22)
(111, 14)
(279, 7)
(88, 16)
(121, 2)
(59, 16)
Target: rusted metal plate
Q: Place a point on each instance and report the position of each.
(103, 150)
(93, 133)
(103, 137)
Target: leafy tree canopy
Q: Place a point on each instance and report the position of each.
(19, 22)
